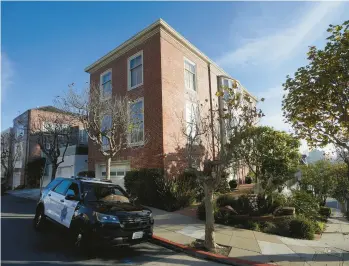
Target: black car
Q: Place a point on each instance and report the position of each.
(95, 212)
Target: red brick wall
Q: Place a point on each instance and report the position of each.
(148, 156)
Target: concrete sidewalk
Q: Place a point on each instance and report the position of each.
(331, 249)
(28, 193)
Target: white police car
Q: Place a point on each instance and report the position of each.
(95, 212)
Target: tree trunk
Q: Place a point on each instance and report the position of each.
(210, 243)
(54, 171)
(107, 168)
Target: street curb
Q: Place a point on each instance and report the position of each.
(204, 254)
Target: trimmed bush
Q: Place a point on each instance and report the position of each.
(253, 226)
(325, 211)
(269, 228)
(233, 184)
(153, 189)
(319, 227)
(302, 227)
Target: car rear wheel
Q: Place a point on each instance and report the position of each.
(39, 219)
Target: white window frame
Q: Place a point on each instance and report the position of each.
(129, 87)
(193, 111)
(195, 78)
(140, 143)
(101, 84)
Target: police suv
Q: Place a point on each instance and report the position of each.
(96, 212)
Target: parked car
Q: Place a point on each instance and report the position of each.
(95, 212)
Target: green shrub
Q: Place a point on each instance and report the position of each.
(269, 228)
(223, 186)
(283, 211)
(153, 189)
(301, 227)
(319, 227)
(304, 203)
(226, 200)
(325, 211)
(233, 184)
(251, 225)
(283, 226)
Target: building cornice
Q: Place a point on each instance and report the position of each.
(158, 26)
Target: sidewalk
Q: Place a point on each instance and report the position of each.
(331, 249)
(29, 193)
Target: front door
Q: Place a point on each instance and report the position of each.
(57, 201)
(69, 205)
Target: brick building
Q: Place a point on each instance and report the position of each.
(28, 123)
(165, 74)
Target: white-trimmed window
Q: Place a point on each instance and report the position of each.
(106, 87)
(135, 70)
(105, 128)
(191, 115)
(136, 136)
(190, 75)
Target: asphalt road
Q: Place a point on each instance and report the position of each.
(21, 245)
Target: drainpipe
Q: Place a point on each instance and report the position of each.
(211, 108)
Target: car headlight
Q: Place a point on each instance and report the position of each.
(151, 215)
(105, 218)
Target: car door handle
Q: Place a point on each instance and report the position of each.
(62, 200)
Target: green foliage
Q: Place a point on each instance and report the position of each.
(251, 225)
(301, 227)
(233, 184)
(320, 177)
(316, 104)
(273, 154)
(226, 200)
(319, 227)
(269, 228)
(305, 203)
(325, 211)
(153, 189)
(341, 188)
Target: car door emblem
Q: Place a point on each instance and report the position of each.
(64, 213)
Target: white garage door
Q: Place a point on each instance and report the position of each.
(117, 173)
(65, 171)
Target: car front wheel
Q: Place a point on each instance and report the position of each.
(39, 219)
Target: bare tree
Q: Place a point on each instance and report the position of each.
(53, 132)
(111, 121)
(233, 112)
(11, 152)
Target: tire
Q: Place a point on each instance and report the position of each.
(39, 221)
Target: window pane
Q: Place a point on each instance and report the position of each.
(74, 188)
(107, 89)
(106, 77)
(136, 76)
(136, 62)
(137, 117)
(62, 187)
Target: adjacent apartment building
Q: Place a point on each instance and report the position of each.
(164, 74)
(28, 123)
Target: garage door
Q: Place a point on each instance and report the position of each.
(117, 174)
(65, 171)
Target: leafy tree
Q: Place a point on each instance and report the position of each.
(320, 178)
(340, 190)
(272, 156)
(317, 102)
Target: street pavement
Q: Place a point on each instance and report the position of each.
(21, 245)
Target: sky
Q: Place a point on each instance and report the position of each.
(46, 45)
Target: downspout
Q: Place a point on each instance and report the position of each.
(211, 109)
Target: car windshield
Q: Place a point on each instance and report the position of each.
(103, 192)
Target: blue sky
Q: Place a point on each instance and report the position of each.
(46, 45)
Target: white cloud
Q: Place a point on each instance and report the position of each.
(7, 74)
(273, 49)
